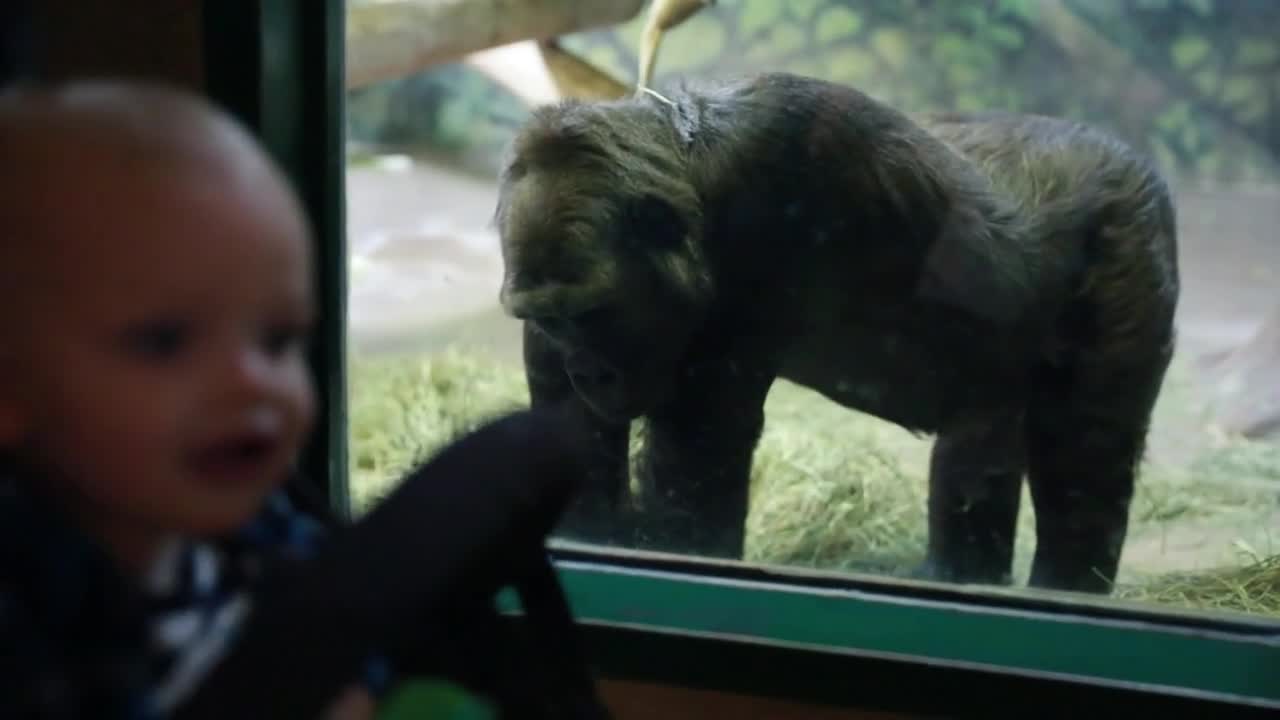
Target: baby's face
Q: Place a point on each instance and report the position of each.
(159, 367)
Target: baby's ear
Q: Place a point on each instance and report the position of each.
(11, 426)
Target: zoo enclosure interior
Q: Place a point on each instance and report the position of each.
(431, 354)
(279, 66)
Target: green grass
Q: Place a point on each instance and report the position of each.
(840, 490)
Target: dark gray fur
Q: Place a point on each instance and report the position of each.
(1004, 282)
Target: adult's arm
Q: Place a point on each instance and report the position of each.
(430, 556)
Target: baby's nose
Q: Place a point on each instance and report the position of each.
(252, 371)
(266, 419)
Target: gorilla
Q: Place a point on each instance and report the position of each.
(1003, 283)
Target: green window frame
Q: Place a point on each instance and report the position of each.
(870, 643)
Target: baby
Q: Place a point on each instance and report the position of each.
(155, 561)
(154, 394)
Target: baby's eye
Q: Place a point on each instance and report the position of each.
(161, 340)
(284, 338)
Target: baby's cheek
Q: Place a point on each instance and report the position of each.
(115, 452)
(128, 481)
(299, 404)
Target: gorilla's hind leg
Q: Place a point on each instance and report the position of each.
(1086, 432)
(1085, 442)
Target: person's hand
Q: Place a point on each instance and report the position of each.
(355, 703)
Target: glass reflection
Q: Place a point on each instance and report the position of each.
(840, 477)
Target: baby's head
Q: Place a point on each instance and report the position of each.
(156, 280)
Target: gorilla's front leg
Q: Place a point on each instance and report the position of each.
(975, 485)
(599, 513)
(695, 468)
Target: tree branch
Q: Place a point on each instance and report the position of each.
(387, 39)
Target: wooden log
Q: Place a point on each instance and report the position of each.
(577, 78)
(387, 39)
(520, 68)
(541, 72)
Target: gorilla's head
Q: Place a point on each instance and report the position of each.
(601, 240)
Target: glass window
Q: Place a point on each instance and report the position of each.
(979, 292)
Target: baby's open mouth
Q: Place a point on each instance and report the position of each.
(236, 459)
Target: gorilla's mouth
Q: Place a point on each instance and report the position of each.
(602, 386)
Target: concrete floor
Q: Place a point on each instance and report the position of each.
(426, 268)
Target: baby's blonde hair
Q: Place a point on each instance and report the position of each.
(57, 142)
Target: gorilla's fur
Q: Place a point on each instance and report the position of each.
(1006, 282)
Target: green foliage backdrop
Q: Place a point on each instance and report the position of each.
(1195, 82)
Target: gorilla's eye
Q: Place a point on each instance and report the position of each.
(593, 319)
(576, 328)
(655, 222)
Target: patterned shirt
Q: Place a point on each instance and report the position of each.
(76, 637)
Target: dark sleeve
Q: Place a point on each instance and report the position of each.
(67, 657)
(21, 658)
(304, 496)
(72, 638)
(436, 549)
